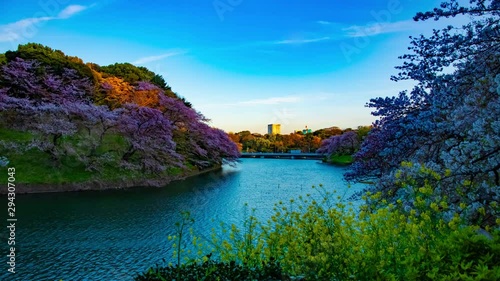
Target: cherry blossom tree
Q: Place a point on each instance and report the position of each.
(344, 144)
(29, 79)
(449, 121)
(94, 123)
(149, 139)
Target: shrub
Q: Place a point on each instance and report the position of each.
(330, 240)
(209, 270)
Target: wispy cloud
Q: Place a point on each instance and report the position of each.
(26, 27)
(255, 45)
(158, 57)
(377, 28)
(70, 11)
(301, 41)
(373, 29)
(324, 22)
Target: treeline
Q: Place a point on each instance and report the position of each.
(119, 116)
(309, 142)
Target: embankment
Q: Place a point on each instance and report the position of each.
(23, 188)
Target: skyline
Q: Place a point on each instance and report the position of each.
(243, 64)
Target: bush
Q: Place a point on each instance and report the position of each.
(212, 270)
(333, 241)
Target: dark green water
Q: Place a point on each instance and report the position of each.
(112, 235)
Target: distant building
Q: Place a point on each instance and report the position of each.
(304, 131)
(274, 129)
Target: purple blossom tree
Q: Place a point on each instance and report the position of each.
(29, 79)
(49, 123)
(51, 106)
(449, 121)
(93, 123)
(203, 145)
(344, 144)
(209, 146)
(146, 86)
(149, 139)
(19, 78)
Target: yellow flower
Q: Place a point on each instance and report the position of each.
(434, 206)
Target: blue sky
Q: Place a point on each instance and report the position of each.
(242, 63)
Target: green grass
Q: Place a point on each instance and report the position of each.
(17, 136)
(37, 167)
(340, 159)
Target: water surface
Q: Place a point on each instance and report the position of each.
(112, 235)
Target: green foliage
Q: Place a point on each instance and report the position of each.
(470, 256)
(309, 142)
(206, 268)
(133, 74)
(340, 159)
(363, 132)
(56, 59)
(3, 59)
(180, 228)
(210, 270)
(328, 132)
(129, 72)
(326, 241)
(160, 82)
(419, 187)
(183, 99)
(420, 238)
(7, 135)
(254, 142)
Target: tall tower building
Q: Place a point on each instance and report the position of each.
(274, 129)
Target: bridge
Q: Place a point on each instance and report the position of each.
(306, 156)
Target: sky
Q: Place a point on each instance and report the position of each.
(242, 63)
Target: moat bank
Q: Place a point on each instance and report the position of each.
(97, 185)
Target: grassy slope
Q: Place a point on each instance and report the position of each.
(340, 159)
(36, 167)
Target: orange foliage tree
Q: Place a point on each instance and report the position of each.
(115, 92)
